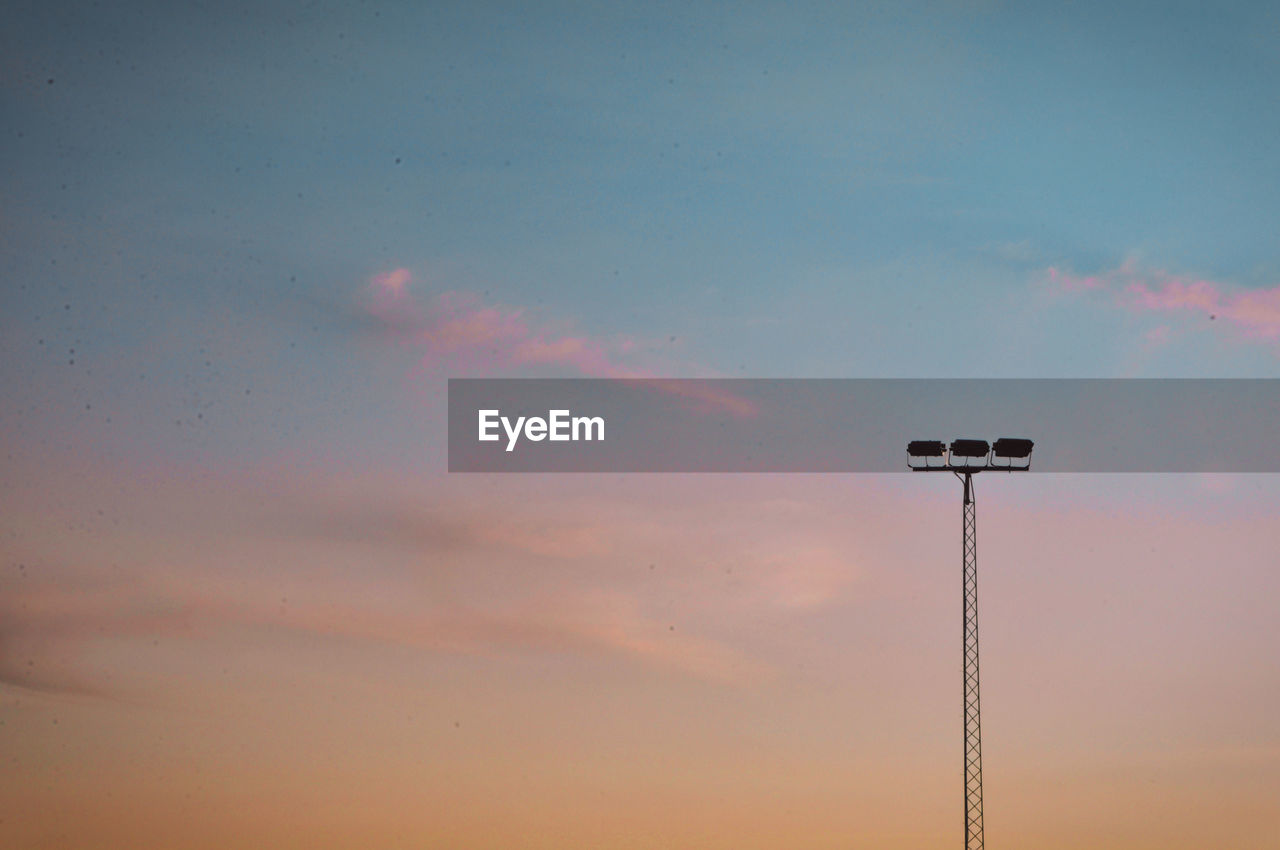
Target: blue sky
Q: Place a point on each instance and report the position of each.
(785, 189)
(196, 199)
(812, 190)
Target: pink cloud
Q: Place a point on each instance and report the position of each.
(459, 331)
(1073, 283)
(1139, 290)
(50, 629)
(393, 282)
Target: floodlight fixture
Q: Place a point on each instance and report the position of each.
(1012, 447)
(926, 448)
(927, 454)
(1011, 454)
(970, 448)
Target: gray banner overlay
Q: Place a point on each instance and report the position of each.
(859, 425)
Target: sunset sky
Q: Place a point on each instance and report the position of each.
(243, 247)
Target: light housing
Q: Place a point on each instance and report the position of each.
(926, 448)
(1013, 447)
(970, 448)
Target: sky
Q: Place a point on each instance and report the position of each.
(243, 247)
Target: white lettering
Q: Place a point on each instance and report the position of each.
(487, 423)
(559, 426)
(587, 423)
(513, 434)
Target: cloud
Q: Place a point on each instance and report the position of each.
(461, 332)
(1255, 312)
(585, 623)
(48, 630)
(44, 624)
(567, 572)
(393, 282)
(440, 531)
(1070, 282)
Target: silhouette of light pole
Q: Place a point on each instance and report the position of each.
(966, 458)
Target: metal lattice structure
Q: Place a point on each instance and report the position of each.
(966, 458)
(972, 698)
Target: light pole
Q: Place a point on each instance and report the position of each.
(966, 458)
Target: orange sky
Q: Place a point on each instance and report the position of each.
(688, 661)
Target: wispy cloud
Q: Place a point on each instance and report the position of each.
(585, 624)
(1139, 289)
(393, 282)
(460, 331)
(440, 530)
(49, 629)
(44, 624)
(677, 585)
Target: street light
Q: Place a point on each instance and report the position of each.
(966, 458)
